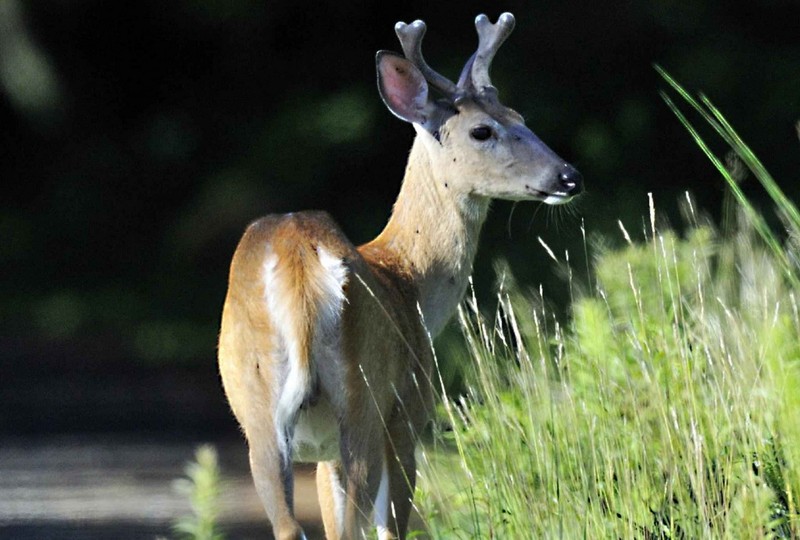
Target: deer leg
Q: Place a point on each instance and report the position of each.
(362, 457)
(331, 492)
(400, 471)
(272, 474)
(383, 506)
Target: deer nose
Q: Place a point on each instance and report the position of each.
(570, 181)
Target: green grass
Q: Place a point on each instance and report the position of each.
(669, 405)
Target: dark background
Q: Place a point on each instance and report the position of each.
(138, 139)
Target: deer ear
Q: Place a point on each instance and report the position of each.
(402, 87)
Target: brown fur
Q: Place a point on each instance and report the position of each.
(390, 360)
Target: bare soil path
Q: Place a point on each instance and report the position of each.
(94, 488)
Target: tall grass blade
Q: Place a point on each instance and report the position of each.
(717, 121)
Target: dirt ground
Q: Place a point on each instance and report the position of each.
(97, 488)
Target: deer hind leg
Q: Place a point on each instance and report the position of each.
(271, 453)
(269, 436)
(331, 492)
(272, 475)
(270, 456)
(244, 357)
(242, 360)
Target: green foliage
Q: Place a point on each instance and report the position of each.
(202, 488)
(665, 409)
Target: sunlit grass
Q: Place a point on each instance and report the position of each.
(666, 409)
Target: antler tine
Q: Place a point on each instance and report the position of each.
(410, 36)
(490, 37)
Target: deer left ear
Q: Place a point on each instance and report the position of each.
(402, 87)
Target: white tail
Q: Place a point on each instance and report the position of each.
(323, 353)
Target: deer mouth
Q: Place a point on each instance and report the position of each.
(555, 198)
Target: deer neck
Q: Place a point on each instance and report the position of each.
(433, 234)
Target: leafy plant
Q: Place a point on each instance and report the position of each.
(202, 488)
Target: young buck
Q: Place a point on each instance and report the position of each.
(324, 349)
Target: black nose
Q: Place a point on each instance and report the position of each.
(570, 181)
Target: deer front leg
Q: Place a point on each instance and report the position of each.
(362, 444)
(401, 473)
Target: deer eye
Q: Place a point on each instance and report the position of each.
(480, 133)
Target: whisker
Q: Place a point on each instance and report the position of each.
(533, 217)
(510, 215)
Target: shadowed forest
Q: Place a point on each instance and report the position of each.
(139, 139)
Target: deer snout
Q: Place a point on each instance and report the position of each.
(570, 181)
(566, 184)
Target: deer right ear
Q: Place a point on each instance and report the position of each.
(402, 87)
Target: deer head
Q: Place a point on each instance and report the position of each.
(481, 146)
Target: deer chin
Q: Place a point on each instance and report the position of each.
(553, 198)
(538, 195)
(557, 198)
(528, 194)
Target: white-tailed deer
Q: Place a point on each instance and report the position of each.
(324, 349)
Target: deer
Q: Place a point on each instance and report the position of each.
(325, 348)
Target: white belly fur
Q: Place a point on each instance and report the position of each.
(316, 434)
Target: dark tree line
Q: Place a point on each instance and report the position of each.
(138, 139)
